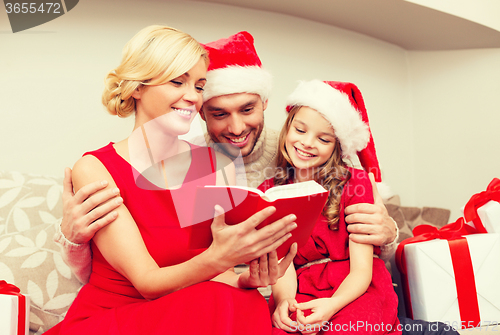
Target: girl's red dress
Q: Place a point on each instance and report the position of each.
(375, 312)
(109, 303)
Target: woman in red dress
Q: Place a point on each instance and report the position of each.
(145, 279)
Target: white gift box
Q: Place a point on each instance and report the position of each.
(489, 214)
(9, 315)
(431, 279)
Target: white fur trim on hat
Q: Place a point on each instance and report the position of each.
(335, 106)
(238, 79)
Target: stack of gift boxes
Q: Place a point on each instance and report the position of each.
(452, 274)
(14, 310)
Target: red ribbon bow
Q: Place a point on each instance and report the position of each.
(424, 232)
(480, 199)
(9, 289)
(462, 265)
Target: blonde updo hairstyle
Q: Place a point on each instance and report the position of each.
(154, 56)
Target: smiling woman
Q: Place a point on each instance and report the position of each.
(145, 279)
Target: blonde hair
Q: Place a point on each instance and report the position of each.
(332, 175)
(154, 56)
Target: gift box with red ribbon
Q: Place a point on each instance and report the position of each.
(14, 310)
(483, 209)
(451, 275)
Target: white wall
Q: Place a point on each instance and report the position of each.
(51, 81)
(484, 12)
(456, 115)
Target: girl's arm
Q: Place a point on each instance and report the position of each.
(354, 285)
(360, 274)
(284, 292)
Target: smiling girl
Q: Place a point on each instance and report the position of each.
(334, 283)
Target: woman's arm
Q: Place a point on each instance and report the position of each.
(353, 286)
(121, 243)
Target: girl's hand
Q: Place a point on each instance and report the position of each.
(281, 316)
(322, 311)
(266, 270)
(241, 243)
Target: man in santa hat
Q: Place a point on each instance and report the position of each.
(235, 98)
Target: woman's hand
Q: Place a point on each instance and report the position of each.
(87, 211)
(281, 316)
(322, 311)
(242, 243)
(266, 270)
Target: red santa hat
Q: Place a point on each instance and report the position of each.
(343, 106)
(235, 67)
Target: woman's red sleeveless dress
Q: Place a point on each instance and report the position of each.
(109, 304)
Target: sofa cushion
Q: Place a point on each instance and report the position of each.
(30, 209)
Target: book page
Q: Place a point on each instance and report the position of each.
(246, 188)
(294, 190)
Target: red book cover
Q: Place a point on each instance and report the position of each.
(306, 200)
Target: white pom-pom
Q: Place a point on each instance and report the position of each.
(385, 191)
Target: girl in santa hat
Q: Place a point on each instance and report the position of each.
(334, 284)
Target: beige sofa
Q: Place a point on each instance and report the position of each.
(30, 211)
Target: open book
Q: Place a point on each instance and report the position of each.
(306, 200)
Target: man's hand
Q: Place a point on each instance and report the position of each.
(87, 211)
(370, 223)
(267, 269)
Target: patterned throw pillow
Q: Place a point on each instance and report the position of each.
(30, 209)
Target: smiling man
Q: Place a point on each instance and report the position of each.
(235, 98)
